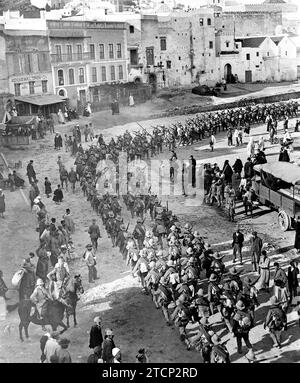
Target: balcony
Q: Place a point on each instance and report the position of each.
(66, 58)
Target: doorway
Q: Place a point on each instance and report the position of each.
(82, 97)
(248, 76)
(228, 73)
(153, 82)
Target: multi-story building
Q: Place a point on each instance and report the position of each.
(86, 55)
(28, 65)
(176, 49)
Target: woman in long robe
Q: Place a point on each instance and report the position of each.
(264, 267)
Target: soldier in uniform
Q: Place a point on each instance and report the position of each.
(139, 232)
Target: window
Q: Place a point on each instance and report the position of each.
(119, 51)
(31, 87)
(79, 52)
(168, 64)
(71, 76)
(150, 56)
(201, 22)
(101, 50)
(120, 72)
(60, 75)
(96, 97)
(103, 73)
(179, 58)
(227, 44)
(257, 54)
(28, 63)
(94, 74)
(268, 53)
(17, 89)
(248, 56)
(163, 44)
(133, 57)
(58, 52)
(211, 45)
(69, 52)
(81, 75)
(112, 73)
(131, 29)
(208, 21)
(111, 51)
(44, 86)
(92, 51)
(286, 53)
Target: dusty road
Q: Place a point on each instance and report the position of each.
(117, 297)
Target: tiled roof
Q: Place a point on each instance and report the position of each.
(251, 42)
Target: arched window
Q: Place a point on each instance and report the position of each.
(60, 75)
(208, 21)
(71, 76)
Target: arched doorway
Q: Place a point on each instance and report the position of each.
(228, 73)
(153, 82)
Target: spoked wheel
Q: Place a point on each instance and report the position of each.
(284, 220)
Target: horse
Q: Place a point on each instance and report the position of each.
(54, 316)
(73, 287)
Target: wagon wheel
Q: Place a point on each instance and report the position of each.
(284, 220)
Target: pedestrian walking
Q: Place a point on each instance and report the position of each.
(212, 142)
(275, 321)
(64, 177)
(255, 250)
(292, 277)
(264, 266)
(90, 260)
(58, 195)
(94, 232)
(63, 355)
(2, 203)
(51, 347)
(242, 324)
(297, 234)
(73, 179)
(108, 346)
(31, 172)
(48, 189)
(237, 245)
(96, 337)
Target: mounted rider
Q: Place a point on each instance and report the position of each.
(40, 297)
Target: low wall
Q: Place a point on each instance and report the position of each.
(229, 105)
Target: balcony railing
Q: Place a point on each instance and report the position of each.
(84, 56)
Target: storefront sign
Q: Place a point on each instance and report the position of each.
(37, 77)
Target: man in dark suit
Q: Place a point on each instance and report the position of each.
(96, 338)
(237, 245)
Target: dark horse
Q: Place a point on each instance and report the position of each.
(54, 316)
(73, 287)
(55, 310)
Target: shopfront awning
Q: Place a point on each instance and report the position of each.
(40, 100)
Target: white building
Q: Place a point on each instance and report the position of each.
(259, 58)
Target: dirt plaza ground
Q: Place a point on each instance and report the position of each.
(117, 295)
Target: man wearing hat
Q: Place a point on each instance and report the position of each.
(40, 298)
(276, 321)
(139, 232)
(31, 172)
(108, 346)
(255, 250)
(237, 245)
(242, 324)
(94, 232)
(28, 280)
(51, 347)
(90, 260)
(219, 353)
(96, 338)
(202, 340)
(214, 293)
